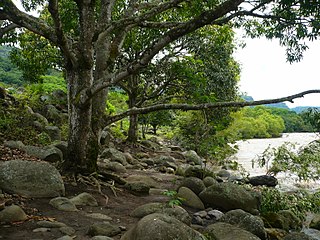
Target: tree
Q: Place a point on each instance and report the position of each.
(92, 46)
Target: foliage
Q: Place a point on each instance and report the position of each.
(16, 124)
(9, 73)
(157, 119)
(293, 122)
(304, 162)
(312, 117)
(257, 122)
(174, 200)
(300, 203)
(195, 130)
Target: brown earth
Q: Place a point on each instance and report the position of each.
(117, 207)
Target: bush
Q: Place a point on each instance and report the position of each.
(300, 202)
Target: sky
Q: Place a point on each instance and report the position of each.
(265, 73)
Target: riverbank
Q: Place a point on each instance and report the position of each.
(251, 148)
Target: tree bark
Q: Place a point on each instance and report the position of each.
(79, 158)
(133, 119)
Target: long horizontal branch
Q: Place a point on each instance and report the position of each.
(7, 29)
(204, 106)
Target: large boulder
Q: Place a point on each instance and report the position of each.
(54, 133)
(190, 199)
(177, 212)
(315, 222)
(114, 155)
(229, 196)
(226, 231)
(192, 157)
(284, 219)
(161, 227)
(265, 180)
(193, 183)
(48, 153)
(31, 178)
(245, 221)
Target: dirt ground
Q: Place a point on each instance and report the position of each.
(117, 207)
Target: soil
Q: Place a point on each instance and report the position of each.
(117, 207)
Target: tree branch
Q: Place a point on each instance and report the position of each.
(206, 18)
(10, 12)
(188, 107)
(62, 39)
(7, 28)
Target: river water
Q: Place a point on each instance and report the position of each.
(249, 149)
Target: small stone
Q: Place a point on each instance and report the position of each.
(84, 199)
(12, 213)
(197, 220)
(215, 214)
(67, 230)
(101, 238)
(99, 216)
(48, 224)
(105, 229)
(63, 204)
(65, 238)
(201, 214)
(42, 229)
(122, 228)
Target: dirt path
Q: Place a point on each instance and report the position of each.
(118, 208)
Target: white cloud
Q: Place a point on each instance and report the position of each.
(266, 74)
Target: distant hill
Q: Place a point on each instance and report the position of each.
(281, 105)
(301, 109)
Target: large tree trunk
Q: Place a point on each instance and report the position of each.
(79, 157)
(133, 119)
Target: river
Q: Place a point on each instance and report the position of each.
(249, 149)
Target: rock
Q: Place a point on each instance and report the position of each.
(67, 230)
(12, 213)
(31, 178)
(315, 222)
(284, 219)
(292, 219)
(146, 209)
(137, 188)
(40, 118)
(177, 212)
(266, 180)
(215, 214)
(226, 231)
(114, 155)
(84, 199)
(194, 171)
(246, 221)
(192, 157)
(150, 144)
(313, 233)
(42, 229)
(193, 183)
(161, 227)
(63, 204)
(63, 146)
(49, 224)
(115, 167)
(14, 144)
(224, 173)
(143, 178)
(48, 153)
(101, 238)
(52, 113)
(99, 216)
(65, 238)
(229, 196)
(297, 236)
(54, 133)
(105, 229)
(276, 233)
(208, 181)
(162, 159)
(190, 199)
